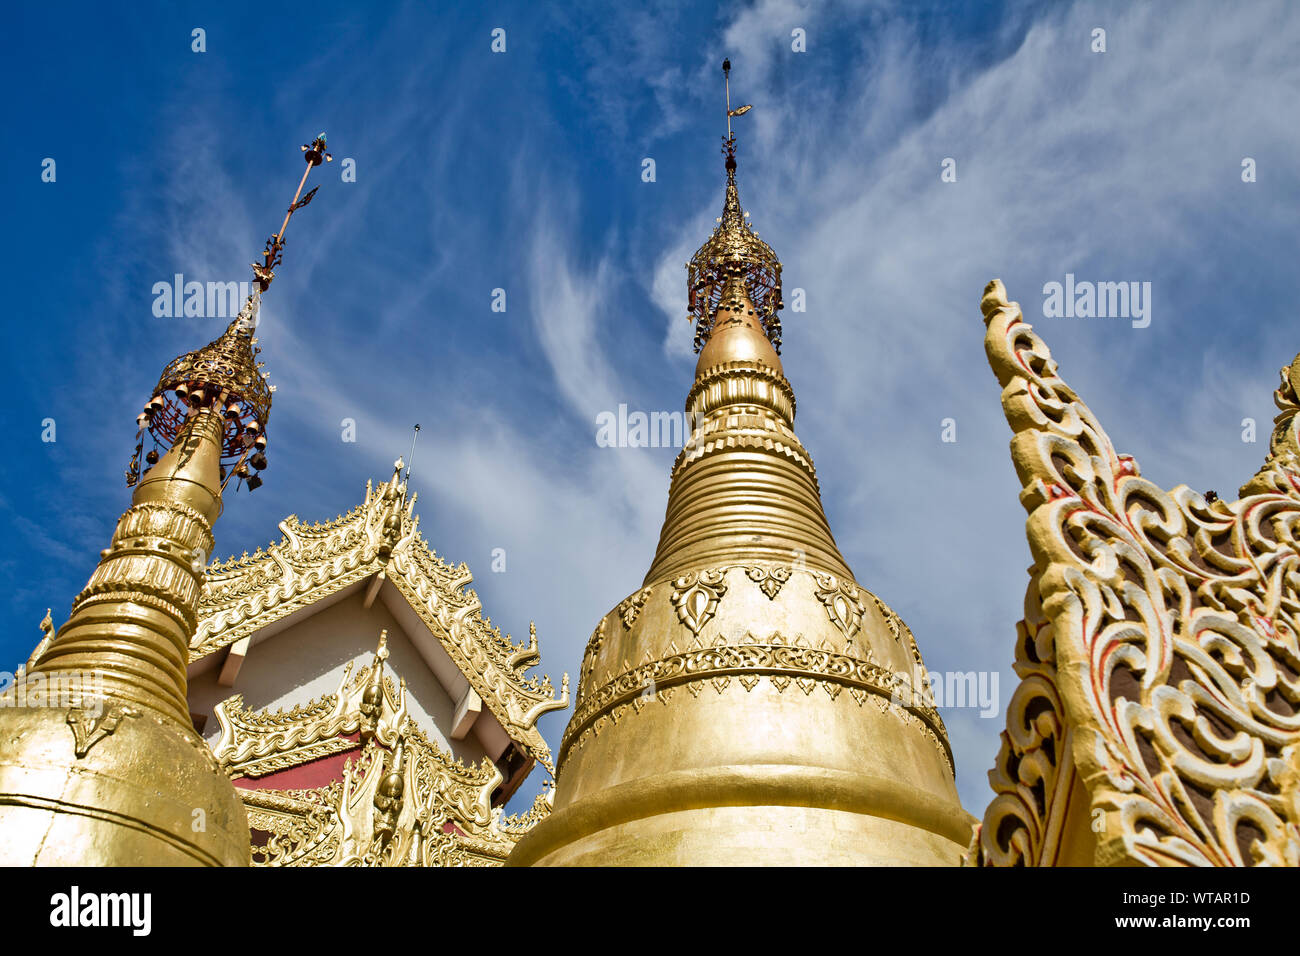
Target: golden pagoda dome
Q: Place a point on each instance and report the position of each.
(750, 703)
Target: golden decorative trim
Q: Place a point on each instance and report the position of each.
(696, 596)
(256, 743)
(717, 433)
(1166, 655)
(90, 727)
(898, 627)
(1035, 769)
(594, 644)
(775, 658)
(842, 602)
(277, 762)
(631, 607)
(394, 798)
(734, 383)
(358, 822)
(244, 595)
(769, 580)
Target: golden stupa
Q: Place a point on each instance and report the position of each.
(115, 775)
(750, 703)
(743, 706)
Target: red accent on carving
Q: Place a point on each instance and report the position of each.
(313, 773)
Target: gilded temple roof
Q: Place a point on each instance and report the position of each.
(380, 540)
(393, 797)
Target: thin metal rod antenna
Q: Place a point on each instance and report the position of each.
(726, 82)
(410, 459)
(279, 236)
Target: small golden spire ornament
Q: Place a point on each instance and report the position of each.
(115, 774)
(734, 250)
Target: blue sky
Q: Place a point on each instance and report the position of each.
(522, 171)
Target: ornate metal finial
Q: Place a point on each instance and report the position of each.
(224, 373)
(314, 153)
(734, 250)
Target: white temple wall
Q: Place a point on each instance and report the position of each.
(306, 660)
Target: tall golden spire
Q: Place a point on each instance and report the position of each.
(750, 703)
(99, 762)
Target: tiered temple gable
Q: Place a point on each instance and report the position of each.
(375, 555)
(289, 628)
(348, 780)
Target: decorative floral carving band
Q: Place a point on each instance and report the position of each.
(775, 658)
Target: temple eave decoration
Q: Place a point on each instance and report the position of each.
(1157, 721)
(380, 540)
(394, 798)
